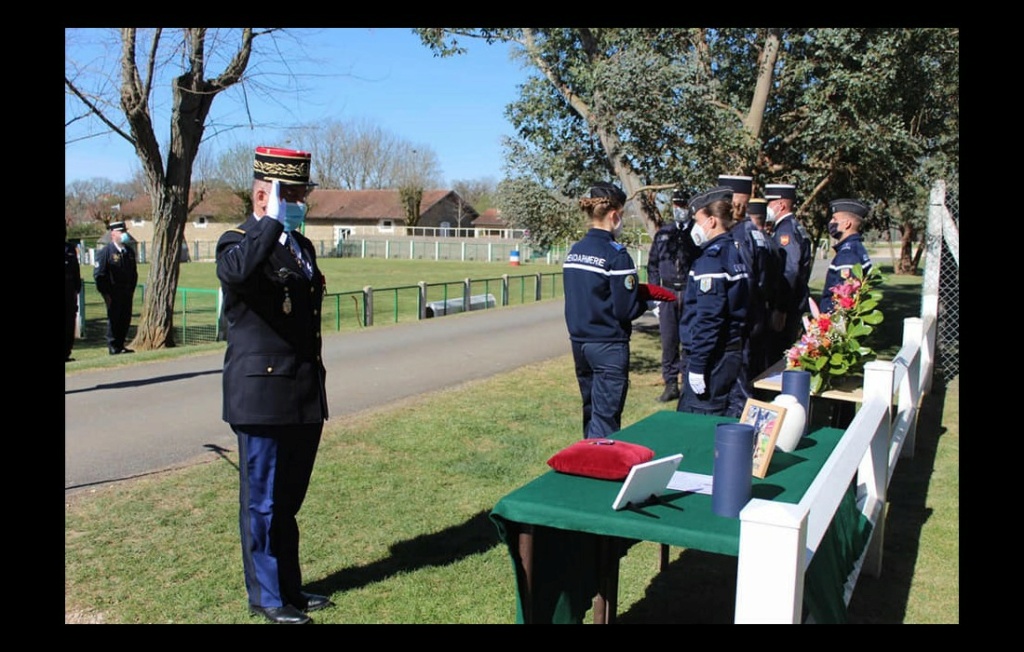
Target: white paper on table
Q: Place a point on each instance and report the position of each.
(698, 483)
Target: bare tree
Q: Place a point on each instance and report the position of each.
(168, 182)
(358, 155)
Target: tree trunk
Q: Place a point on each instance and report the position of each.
(905, 265)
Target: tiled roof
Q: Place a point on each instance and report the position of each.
(365, 204)
(490, 217)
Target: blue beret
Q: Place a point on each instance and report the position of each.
(780, 191)
(608, 190)
(847, 206)
(742, 185)
(719, 193)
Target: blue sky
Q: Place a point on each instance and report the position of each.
(383, 75)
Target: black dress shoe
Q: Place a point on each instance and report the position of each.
(127, 350)
(286, 615)
(113, 351)
(314, 601)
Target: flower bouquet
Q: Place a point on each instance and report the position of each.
(832, 344)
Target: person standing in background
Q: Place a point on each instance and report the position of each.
(275, 397)
(668, 265)
(847, 216)
(72, 287)
(794, 248)
(116, 274)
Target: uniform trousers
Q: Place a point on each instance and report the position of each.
(672, 361)
(602, 371)
(275, 464)
(70, 317)
(119, 317)
(720, 396)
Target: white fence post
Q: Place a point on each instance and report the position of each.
(873, 471)
(911, 389)
(772, 561)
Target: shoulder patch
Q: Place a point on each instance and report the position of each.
(705, 284)
(784, 240)
(630, 282)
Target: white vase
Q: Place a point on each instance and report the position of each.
(792, 428)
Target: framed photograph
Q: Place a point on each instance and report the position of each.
(767, 420)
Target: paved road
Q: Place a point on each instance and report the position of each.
(129, 421)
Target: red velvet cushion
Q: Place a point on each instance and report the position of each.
(608, 459)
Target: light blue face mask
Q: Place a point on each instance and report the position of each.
(294, 215)
(125, 239)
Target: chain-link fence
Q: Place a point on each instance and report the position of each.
(942, 276)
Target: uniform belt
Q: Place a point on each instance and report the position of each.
(677, 286)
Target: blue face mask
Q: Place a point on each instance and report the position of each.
(125, 239)
(294, 215)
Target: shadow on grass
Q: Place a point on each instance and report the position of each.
(474, 536)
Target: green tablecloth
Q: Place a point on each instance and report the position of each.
(568, 510)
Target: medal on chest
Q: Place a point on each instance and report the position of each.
(286, 306)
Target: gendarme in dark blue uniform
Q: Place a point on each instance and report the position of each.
(849, 252)
(275, 397)
(601, 302)
(713, 326)
(116, 274)
(672, 253)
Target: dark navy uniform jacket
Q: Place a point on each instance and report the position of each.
(794, 247)
(115, 272)
(758, 253)
(715, 304)
(273, 371)
(849, 252)
(671, 255)
(601, 298)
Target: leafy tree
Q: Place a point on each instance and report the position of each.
(478, 193)
(551, 218)
(638, 105)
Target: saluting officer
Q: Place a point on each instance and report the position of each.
(275, 397)
(714, 310)
(116, 274)
(668, 265)
(602, 298)
(793, 244)
(844, 225)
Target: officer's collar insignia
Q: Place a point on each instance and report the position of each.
(705, 284)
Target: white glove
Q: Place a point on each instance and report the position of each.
(696, 382)
(274, 204)
(654, 306)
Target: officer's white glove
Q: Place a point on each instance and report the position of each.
(654, 306)
(275, 207)
(696, 382)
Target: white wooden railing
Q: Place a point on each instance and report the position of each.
(778, 541)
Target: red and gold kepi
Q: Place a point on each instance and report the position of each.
(289, 166)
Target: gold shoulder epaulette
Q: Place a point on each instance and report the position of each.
(237, 230)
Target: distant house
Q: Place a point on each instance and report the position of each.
(443, 213)
(491, 224)
(333, 215)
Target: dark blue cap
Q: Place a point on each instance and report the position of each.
(780, 191)
(718, 193)
(608, 190)
(848, 206)
(758, 206)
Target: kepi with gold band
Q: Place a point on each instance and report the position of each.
(288, 166)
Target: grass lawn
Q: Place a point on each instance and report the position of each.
(395, 526)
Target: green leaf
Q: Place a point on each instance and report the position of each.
(875, 317)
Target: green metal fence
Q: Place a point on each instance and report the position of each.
(197, 312)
